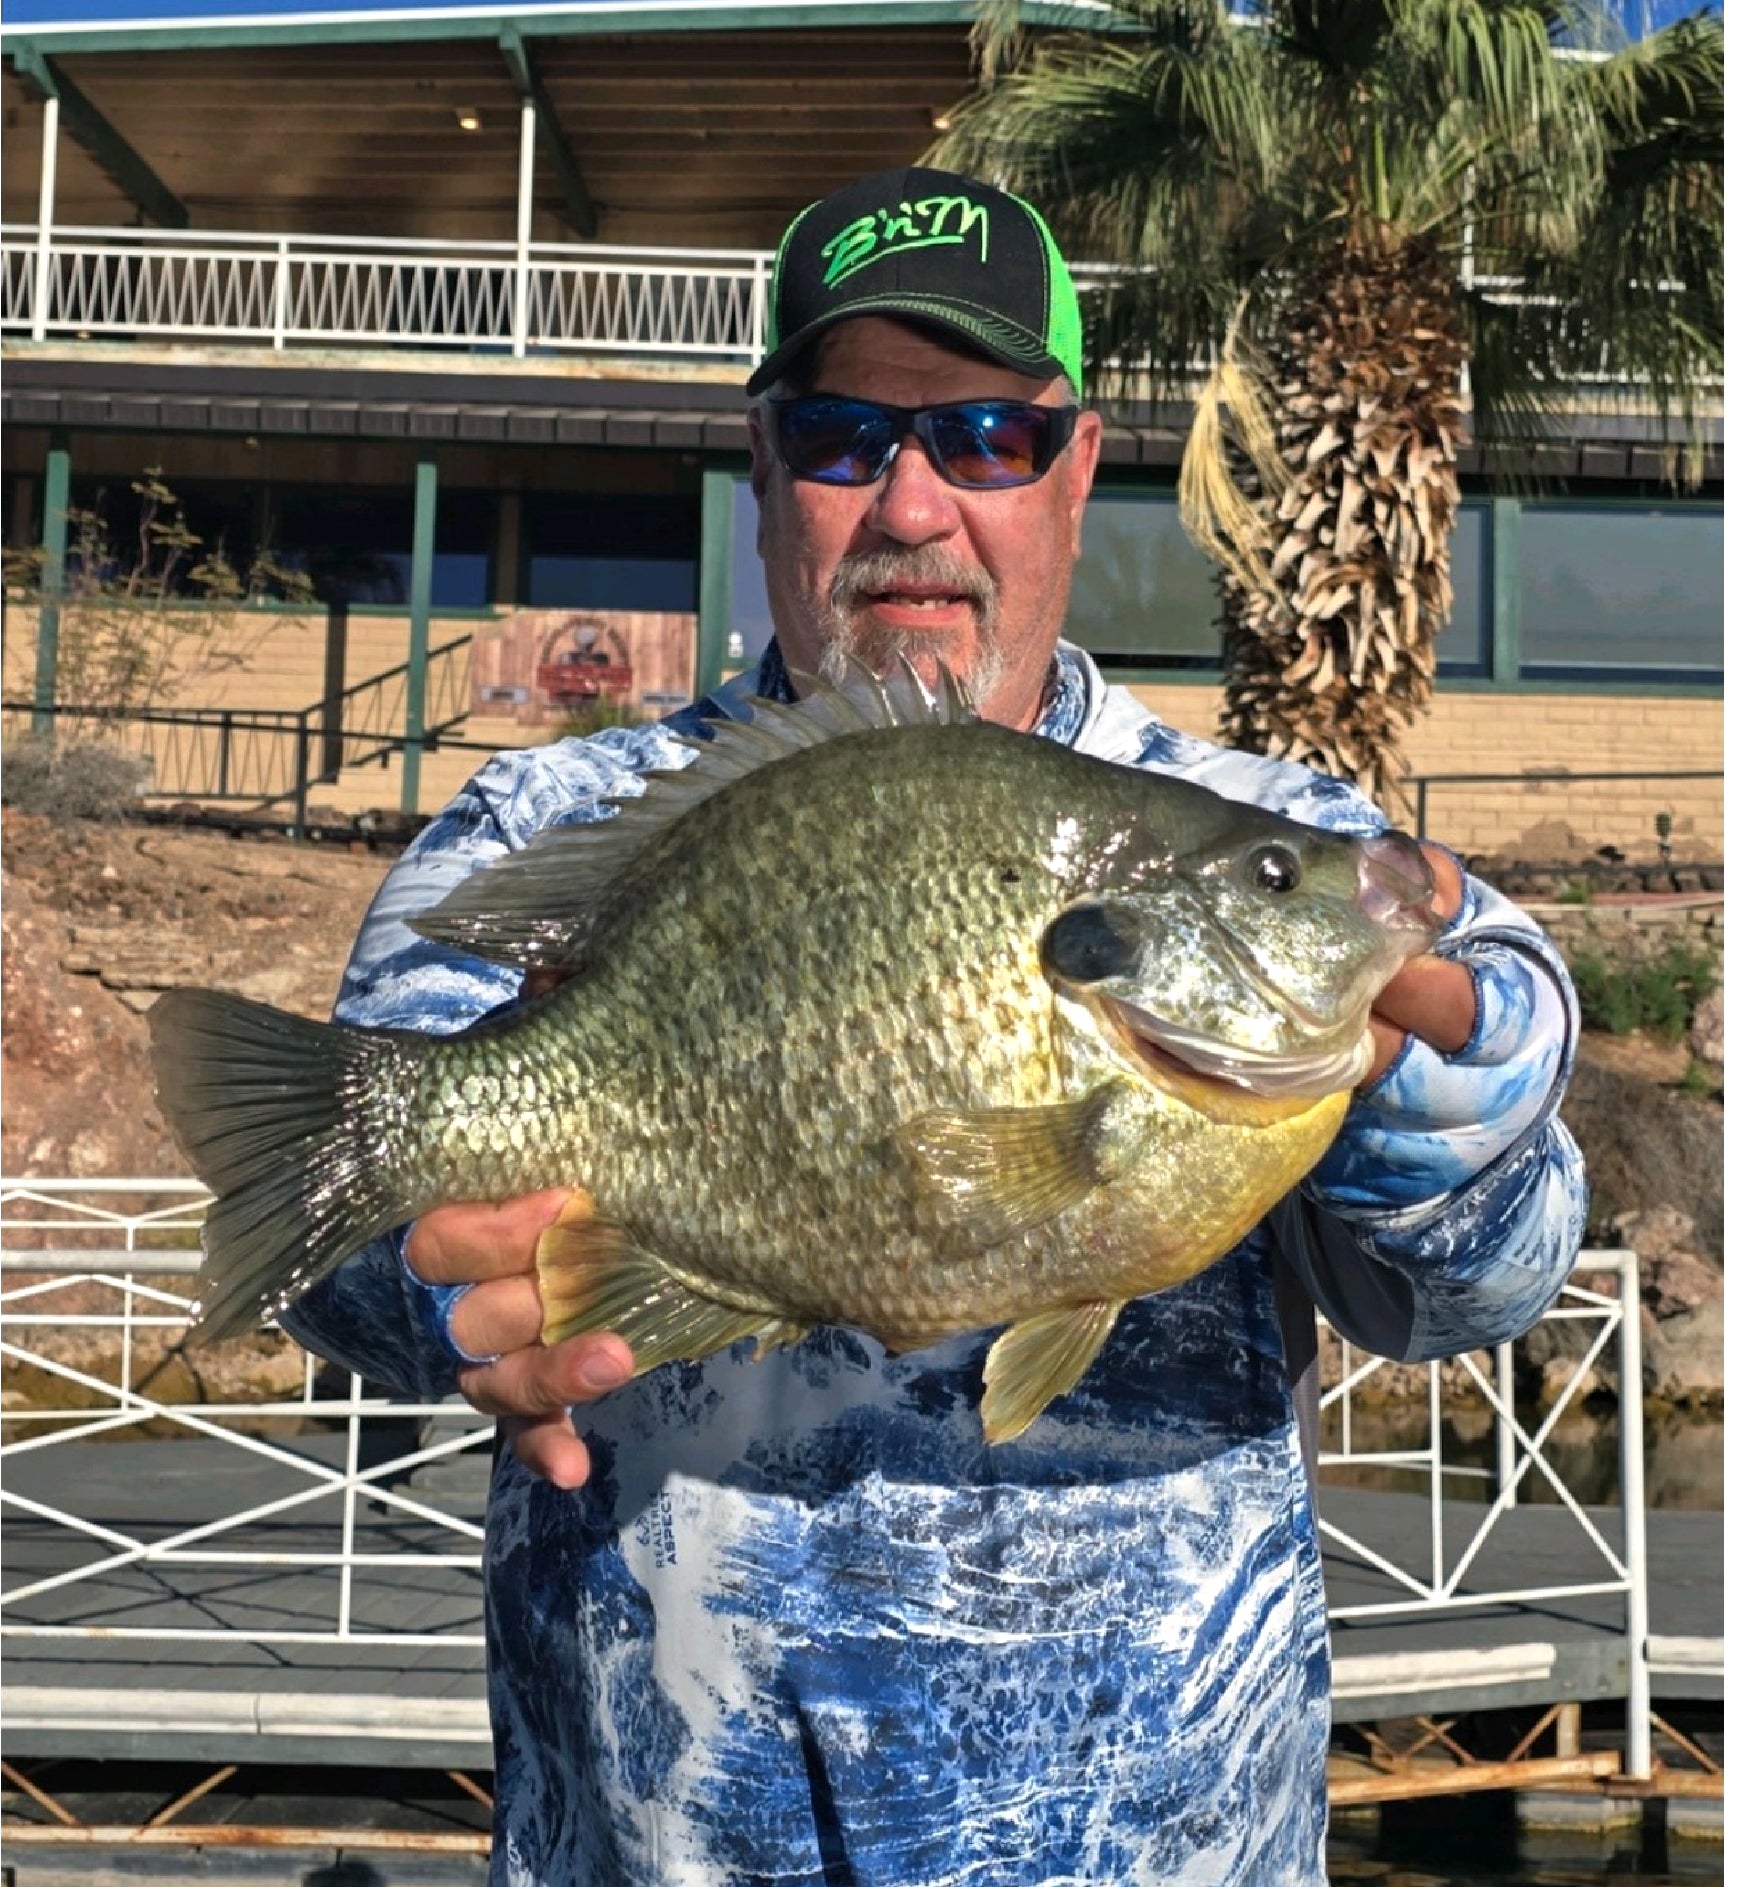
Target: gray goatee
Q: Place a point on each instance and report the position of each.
(860, 578)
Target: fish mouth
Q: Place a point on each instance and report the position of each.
(1231, 1083)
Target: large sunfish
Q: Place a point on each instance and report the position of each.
(877, 1014)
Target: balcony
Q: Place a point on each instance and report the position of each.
(300, 292)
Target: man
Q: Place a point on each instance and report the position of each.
(792, 1620)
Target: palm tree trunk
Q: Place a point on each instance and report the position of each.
(1333, 664)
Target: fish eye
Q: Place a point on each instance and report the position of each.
(1086, 945)
(1276, 869)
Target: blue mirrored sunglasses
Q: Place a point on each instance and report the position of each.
(980, 445)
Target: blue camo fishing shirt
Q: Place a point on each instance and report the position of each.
(804, 1626)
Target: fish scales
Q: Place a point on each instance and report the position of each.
(919, 1026)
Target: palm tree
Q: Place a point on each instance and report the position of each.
(1374, 220)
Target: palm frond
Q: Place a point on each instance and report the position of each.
(1232, 416)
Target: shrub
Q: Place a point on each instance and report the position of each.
(72, 779)
(595, 716)
(1658, 993)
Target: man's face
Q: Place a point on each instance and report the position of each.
(912, 565)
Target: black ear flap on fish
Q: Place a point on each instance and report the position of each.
(270, 1110)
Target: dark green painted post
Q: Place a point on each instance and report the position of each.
(421, 592)
(717, 500)
(1505, 591)
(54, 500)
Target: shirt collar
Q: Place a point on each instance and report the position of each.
(1066, 692)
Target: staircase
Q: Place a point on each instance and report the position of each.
(361, 768)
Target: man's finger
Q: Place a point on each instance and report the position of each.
(536, 1381)
(471, 1241)
(549, 1448)
(500, 1315)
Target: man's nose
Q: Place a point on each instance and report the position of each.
(913, 503)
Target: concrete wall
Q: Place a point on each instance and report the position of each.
(1542, 734)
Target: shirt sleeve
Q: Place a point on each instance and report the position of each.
(371, 1315)
(1449, 1210)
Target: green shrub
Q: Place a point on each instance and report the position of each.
(597, 715)
(1657, 993)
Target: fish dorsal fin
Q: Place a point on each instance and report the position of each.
(537, 907)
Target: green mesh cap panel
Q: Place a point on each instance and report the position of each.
(1065, 332)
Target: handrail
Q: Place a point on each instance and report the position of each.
(242, 771)
(91, 1234)
(1610, 1322)
(282, 289)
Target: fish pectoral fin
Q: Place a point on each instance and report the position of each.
(999, 1171)
(1037, 1359)
(593, 1277)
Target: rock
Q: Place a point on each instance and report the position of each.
(280, 985)
(1682, 1319)
(1707, 1029)
(1683, 1300)
(1646, 1143)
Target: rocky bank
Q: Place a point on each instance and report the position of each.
(98, 917)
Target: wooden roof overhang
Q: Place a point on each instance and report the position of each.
(680, 128)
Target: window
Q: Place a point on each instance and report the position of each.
(1617, 593)
(592, 552)
(1465, 645)
(750, 625)
(222, 517)
(1143, 595)
(356, 545)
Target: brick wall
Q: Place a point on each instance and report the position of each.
(1541, 734)
(1536, 734)
(284, 653)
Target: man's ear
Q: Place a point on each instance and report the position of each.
(1080, 464)
(761, 448)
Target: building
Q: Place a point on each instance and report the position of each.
(485, 280)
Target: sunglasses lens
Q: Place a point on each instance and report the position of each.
(836, 442)
(982, 445)
(992, 443)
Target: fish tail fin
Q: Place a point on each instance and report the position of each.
(271, 1111)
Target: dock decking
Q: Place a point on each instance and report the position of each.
(307, 1697)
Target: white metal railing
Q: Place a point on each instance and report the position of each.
(1520, 1444)
(90, 1253)
(102, 1236)
(285, 291)
(85, 282)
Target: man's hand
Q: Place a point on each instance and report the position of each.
(529, 1387)
(1430, 998)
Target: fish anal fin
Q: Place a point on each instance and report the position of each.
(592, 1276)
(1037, 1359)
(1000, 1171)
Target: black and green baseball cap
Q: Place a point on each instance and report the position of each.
(933, 247)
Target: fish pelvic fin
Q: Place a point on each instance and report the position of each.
(271, 1111)
(1000, 1171)
(1037, 1359)
(539, 907)
(592, 1276)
